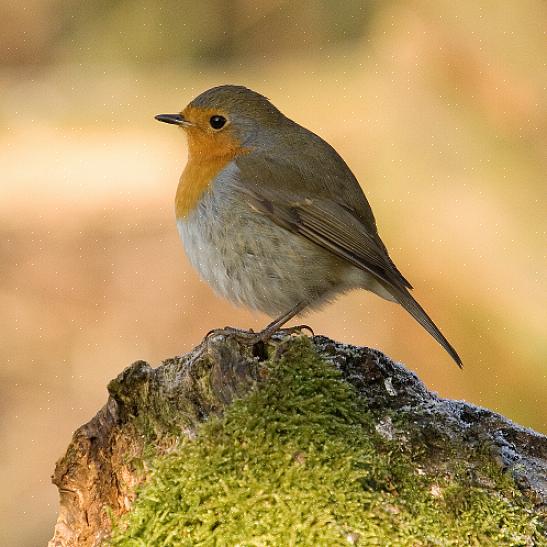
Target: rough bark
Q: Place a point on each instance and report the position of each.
(150, 410)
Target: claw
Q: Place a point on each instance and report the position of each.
(251, 338)
(245, 336)
(297, 329)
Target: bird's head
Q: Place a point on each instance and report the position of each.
(224, 119)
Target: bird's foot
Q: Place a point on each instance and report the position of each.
(244, 336)
(255, 340)
(249, 337)
(297, 329)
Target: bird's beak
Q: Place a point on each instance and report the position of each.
(175, 119)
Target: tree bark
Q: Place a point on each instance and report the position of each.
(150, 410)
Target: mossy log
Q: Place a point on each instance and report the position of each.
(302, 441)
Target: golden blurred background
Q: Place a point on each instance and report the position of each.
(438, 108)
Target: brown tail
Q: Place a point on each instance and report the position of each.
(411, 306)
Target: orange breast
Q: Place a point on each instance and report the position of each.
(208, 154)
(194, 181)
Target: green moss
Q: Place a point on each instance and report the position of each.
(298, 462)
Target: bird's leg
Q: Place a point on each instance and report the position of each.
(274, 326)
(250, 337)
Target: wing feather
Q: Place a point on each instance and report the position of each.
(340, 232)
(341, 222)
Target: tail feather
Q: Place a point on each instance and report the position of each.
(411, 306)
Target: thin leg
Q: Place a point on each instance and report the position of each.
(265, 334)
(275, 325)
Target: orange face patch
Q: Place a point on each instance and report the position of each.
(209, 151)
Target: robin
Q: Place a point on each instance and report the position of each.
(273, 218)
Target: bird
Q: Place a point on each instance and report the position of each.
(273, 218)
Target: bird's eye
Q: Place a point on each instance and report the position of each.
(217, 122)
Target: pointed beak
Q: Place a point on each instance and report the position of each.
(175, 119)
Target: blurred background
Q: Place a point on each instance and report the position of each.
(438, 107)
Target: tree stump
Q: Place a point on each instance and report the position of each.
(300, 441)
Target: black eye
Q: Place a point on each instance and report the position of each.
(217, 122)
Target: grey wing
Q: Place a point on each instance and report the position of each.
(333, 226)
(343, 224)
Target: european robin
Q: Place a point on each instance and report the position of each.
(272, 217)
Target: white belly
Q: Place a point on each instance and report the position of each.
(251, 261)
